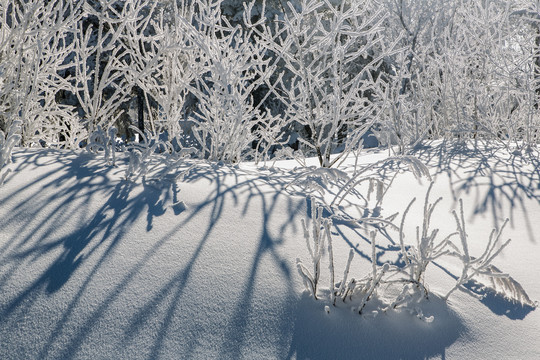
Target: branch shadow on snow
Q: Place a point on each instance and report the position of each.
(498, 304)
(75, 259)
(501, 181)
(107, 223)
(79, 180)
(227, 186)
(104, 227)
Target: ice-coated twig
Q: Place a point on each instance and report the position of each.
(307, 277)
(376, 274)
(473, 267)
(330, 261)
(373, 283)
(344, 286)
(402, 234)
(427, 249)
(372, 236)
(315, 245)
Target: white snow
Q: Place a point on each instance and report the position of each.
(94, 266)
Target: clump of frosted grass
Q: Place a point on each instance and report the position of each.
(407, 279)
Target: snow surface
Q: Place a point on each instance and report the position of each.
(93, 266)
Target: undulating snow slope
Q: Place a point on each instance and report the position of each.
(92, 266)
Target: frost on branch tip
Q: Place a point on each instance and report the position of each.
(504, 285)
(482, 270)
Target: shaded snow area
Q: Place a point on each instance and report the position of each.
(94, 266)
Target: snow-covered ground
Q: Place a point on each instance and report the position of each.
(93, 266)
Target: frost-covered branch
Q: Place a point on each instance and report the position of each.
(230, 67)
(315, 245)
(473, 267)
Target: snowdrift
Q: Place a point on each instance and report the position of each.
(95, 266)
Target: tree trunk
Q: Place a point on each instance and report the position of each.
(140, 110)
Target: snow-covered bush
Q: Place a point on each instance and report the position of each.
(102, 81)
(202, 73)
(244, 80)
(356, 293)
(7, 143)
(468, 70)
(158, 63)
(417, 257)
(36, 48)
(229, 67)
(428, 249)
(474, 267)
(329, 56)
(478, 92)
(408, 118)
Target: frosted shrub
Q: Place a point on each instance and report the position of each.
(230, 66)
(7, 143)
(356, 292)
(36, 52)
(333, 71)
(158, 62)
(330, 55)
(102, 83)
(478, 267)
(469, 70)
(428, 248)
(408, 118)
